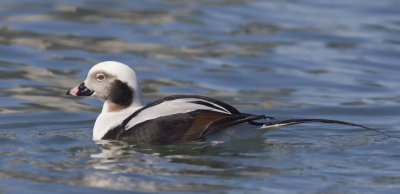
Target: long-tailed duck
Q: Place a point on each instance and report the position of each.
(173, 119)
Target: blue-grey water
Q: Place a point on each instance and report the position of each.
(284, 58)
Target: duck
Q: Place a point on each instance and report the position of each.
(169, 120)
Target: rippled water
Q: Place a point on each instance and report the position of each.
(288, 59)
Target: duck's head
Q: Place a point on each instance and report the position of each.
(112, 82)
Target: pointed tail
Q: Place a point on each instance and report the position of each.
(300, 121)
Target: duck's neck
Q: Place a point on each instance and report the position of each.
(111, 116)
(116, 109)
(111, 107)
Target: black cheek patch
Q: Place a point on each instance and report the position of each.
(121, 93)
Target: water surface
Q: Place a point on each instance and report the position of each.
(287, 59)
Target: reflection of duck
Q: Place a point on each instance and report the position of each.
(172, 119)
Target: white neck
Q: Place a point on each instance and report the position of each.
(108, 120)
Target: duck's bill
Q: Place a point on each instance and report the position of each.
(80, 90)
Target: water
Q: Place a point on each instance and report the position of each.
(287, 59)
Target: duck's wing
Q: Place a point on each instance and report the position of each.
(177, 119)
(177, 128)
(177, 104)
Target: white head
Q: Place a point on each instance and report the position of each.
(112, 82)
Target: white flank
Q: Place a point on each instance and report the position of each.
(171, 107)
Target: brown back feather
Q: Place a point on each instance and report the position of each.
(200, 123)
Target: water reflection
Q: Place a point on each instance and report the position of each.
(170, 168)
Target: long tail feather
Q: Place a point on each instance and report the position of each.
(300, 121)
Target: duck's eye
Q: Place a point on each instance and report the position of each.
(100, 77)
